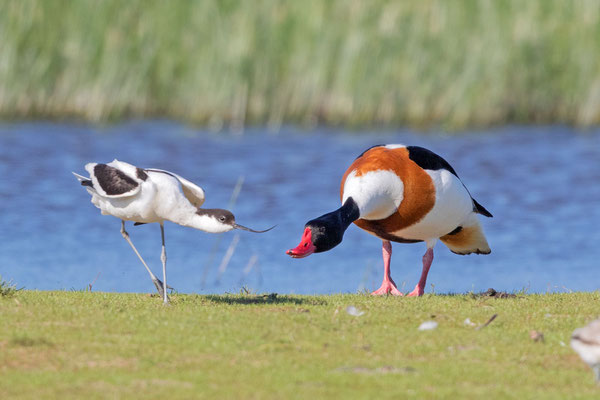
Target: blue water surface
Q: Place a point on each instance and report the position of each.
(541, 183)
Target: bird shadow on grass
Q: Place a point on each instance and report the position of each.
(490, 293)
(271, 298)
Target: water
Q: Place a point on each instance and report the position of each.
(541, 184)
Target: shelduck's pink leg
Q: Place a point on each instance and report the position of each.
(427, 260)
(388, 285)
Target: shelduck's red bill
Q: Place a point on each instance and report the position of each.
(305, 248)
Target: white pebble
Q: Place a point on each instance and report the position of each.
(428, 325)
(354, 311)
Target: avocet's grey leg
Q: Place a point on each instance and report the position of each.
(159, 285)
(163, 258)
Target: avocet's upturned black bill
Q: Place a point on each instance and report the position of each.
(152, 195)
(238, 226)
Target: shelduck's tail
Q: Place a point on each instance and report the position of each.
(469, 239)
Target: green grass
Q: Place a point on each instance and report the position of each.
(453, 64)
(7, 288)
(107, 345)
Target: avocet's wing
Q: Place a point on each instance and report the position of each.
(192, 192)
(115, 179)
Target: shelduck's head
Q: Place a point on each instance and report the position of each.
(327, 231)
(320, 234)
(216, 220)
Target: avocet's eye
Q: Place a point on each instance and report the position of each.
(222, 218)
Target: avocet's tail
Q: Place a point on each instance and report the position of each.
(80, 178)
(85, 181)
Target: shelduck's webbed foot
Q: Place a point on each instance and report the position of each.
(418, 291)
(387, 287)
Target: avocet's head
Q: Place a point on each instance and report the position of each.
(319, 235)
(216, 220)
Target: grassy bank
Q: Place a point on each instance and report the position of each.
(107, 345)
(422, 63)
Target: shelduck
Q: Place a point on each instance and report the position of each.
(403, 194)
(153, 195)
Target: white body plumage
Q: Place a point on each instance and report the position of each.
(160, 196)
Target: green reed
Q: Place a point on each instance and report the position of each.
(434, 63)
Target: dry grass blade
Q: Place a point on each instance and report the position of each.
(489, 321)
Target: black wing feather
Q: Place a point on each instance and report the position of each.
(113, 181)
(427, 159)
(479, 209)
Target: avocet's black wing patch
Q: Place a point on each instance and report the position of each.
(141, 174)
(427, 159)
(113, 181)
(479, 209)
